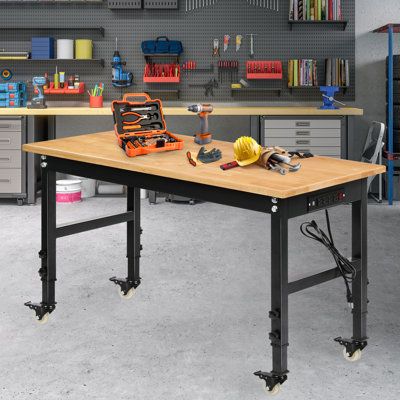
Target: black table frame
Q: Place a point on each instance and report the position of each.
(281, 211)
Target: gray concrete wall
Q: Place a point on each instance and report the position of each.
(371, 52)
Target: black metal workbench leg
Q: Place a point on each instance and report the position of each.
(359, 251)
(47, 254)
(279, 298)
(358, 342)
(132, 281)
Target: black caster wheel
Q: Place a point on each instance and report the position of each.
(20, 202)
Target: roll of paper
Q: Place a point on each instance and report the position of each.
(65, 49)
(83, 49)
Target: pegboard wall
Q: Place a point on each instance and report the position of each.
(196, 29)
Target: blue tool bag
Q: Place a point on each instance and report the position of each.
(160, 46)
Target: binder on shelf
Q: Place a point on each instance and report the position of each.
(315, 10)
(302, 73)
(337, 71)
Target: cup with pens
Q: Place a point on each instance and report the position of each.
(96, 96)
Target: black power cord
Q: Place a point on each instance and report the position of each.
(346, 268)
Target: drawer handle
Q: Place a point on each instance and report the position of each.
(4, 126)
(5, 158)
(5, 141)
(301, 142)
(5, 180)
(303, 150)
(303, 124)
(303, 133)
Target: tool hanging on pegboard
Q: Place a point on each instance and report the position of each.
(191, 5)
(268, 4)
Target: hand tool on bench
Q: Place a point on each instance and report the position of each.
(135, 109)
(208, 157)
(139, 117)
(203, 111)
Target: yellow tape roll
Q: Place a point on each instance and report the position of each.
(83, 49)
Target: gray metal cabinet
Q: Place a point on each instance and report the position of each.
(12, 159)
(324, 136)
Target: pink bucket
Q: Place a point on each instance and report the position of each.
(68, 191)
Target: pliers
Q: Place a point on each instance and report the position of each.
(139, 117)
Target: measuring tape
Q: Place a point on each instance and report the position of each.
(6, 74)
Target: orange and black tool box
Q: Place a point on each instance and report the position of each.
(140, 126)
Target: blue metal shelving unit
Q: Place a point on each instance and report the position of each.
(390, 29)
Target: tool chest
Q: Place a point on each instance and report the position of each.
(140, 126)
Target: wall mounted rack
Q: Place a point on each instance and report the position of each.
(337, 23)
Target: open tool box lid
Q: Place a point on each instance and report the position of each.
(140, 126)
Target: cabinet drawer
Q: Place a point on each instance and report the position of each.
(10, 181)
(10, 125)
(294, 133)
(10, 159)
(317, 151)
(303, 123)
(303, 141)
(10, 140)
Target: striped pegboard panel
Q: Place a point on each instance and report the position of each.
(196, 29)
(124, 4)
(161, 4)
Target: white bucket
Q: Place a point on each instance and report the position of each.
(68, 191)
(65, 49)
(88, 186)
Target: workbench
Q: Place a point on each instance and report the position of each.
(321, 183)
(41, 124)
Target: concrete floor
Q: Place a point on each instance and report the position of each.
(197, 326)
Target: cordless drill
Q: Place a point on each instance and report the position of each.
(202, 110)
(38, 101)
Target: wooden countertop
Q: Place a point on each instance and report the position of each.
(298, 111)
(102, 149)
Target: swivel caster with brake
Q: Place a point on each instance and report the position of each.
(126, 288)
(271, 382)
(356, 356)
(42, 311)
(352, 348)
(42, 321)
(128, 295)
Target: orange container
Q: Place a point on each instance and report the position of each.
(139, 124)
(96, 101)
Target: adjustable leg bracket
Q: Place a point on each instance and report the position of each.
(351, 345)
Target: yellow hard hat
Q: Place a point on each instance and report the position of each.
(247, 151)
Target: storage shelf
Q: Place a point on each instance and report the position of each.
(99, 29)
(385, 28)
(169, 92)
(344, 88)
(148, 57)
(261, 90)
(56, 61)
(338, 23)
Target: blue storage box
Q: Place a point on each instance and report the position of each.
(12, 87)
(42, 48)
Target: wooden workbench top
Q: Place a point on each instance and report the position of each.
(218, 110)
(102, 149)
